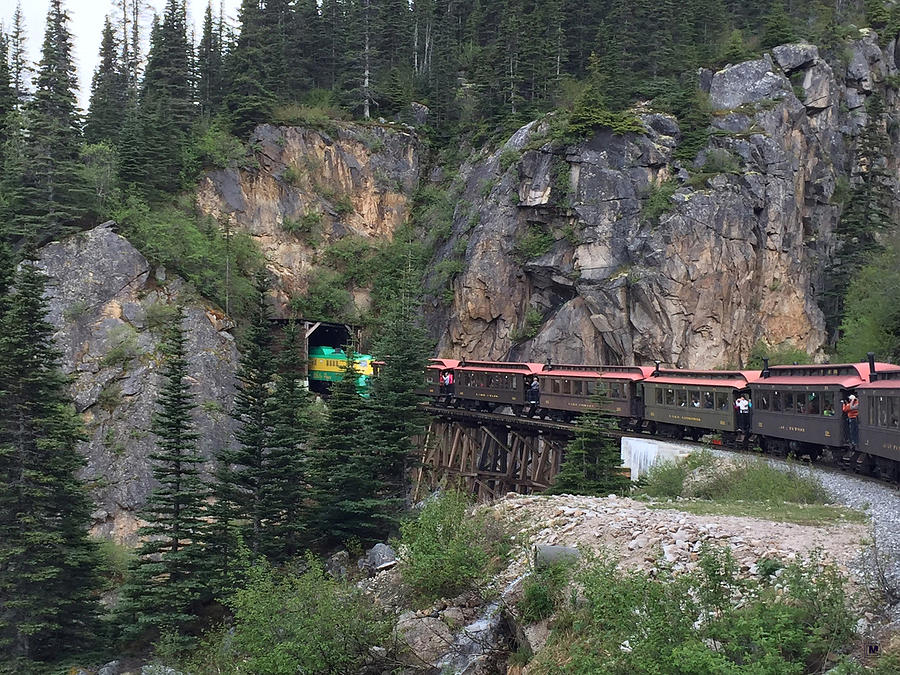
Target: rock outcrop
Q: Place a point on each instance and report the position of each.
(313, 187)
(108, 304)
(613, 251)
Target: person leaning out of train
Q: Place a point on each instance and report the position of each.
(850, 408)
(534, 391)
(743, 406)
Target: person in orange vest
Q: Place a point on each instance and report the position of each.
(851, 410)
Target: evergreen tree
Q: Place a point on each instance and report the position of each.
(48, 583)
(167, 584)
(7, 93)
(393, 416)
(209, 65)
(53, 193)
(778, 27)
(592, 458)
(18, 56)
(242, 471)
(343, 473)
(167, 100)
(108, 93)
(248, 101)
(286, 491)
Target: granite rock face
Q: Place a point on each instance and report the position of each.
(312, 188)
(107, 303)
(568, 254)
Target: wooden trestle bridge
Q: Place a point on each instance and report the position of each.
(490, 454)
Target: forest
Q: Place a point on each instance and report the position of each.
(302, 478)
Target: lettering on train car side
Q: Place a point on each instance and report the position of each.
(785, 427)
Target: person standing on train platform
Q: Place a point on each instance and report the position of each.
(851, 410)
(743, 406)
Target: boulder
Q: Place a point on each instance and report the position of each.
(748, 82)
(379, 557)
(426, 637)
(99, 301)
(791, 57)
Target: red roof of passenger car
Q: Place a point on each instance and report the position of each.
(632, 373)
(500, 367)
(734, 379)
(856, 374)
(892, 382)
(443, 364)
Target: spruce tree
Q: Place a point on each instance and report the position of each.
(248, 101)
(393, 416)
(18, 56)
(285, 487)
(48, 582)
(209, 65)
(167, 585)
(241, 472)
(7, 93)
(592, 457)
(108, 92)
(778, 27)
(343, 473)
(53, 191)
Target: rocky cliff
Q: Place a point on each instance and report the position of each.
(312, 188)
(612, 251)
(108, 304)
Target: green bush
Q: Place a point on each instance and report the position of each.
(666, 479)
(326, 299)
(286, 623)
(508, 157)
(720, 160)
(343, 205)
(446, 550)
(630, 622)
(110, 396)
(543, 592)
(307, 227)
(292, 175)
(536, 241)
(659, 201)
(353, 257)
(122, 346)
(114, 561)
(160, 315)
(76, 310)
(196, 248)
(213, 147)
(534, 318)
(315, 116)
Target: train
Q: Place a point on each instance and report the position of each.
(793, 409)
(326, 365)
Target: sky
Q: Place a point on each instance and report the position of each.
(86, 24)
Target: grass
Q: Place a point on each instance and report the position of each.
(706, 485)
(784, 512)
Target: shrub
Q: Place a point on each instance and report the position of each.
(315, 116)
(307, 227)
(720, 160)
(159, 315)
(536, 241)
(666, 480)
(630, 622)
(76, 310)
(287, 623)
(343, 205)
(353, 257)
(196, 248)
(114, 561)
(122, 346)
(508, 157)
(326, 299)
(782, 354)
(292, 175)
(446, 550)
(214, 148)
(533, 320)
(110, 396)
(659, 201)
(542, 592)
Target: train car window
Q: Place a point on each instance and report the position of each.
(777, 401)
(723, 400)
(616, 390)
(882, 411)
(514, 381)
(763, 400)
(659, 396)
(895, 412)
(576, 388)
(789, 401)
(812, 405)
(694, 398)
(590, 387)
(554, 385)
(670, 397)
(567, 386)
(681, 398)
(828, 403)
(708, 399)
